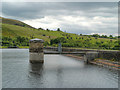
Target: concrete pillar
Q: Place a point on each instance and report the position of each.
(89, 56)
(36, 51)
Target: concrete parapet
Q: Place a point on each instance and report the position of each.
(36, 51)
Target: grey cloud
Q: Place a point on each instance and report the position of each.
(32, 10)
(37, 10)
(84, 30)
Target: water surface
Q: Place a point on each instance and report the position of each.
(58, 71)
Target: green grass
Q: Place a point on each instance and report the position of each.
(23, 46)
(13, 31)
(14, 22)
(10, 29)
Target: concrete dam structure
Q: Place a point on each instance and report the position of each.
(37, 52)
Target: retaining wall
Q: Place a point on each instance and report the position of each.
(106, 54)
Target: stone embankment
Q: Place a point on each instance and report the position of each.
(101, 62)
(107, 63)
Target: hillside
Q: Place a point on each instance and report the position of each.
(15, 34)
(9, 29)
(14, 31)
(14, 22)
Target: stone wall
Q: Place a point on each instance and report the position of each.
(106, 54)
(110, 55)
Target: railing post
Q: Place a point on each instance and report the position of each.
(36, 51)
(59, 48)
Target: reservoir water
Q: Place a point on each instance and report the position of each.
(58, 71)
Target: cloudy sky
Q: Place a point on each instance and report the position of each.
(73, 17)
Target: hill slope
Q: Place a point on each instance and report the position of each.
(17, 33)
(13, 28)
(14, 31)
(14, 22)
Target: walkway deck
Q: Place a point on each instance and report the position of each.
(55, 52)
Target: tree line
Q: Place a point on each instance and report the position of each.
(92, 43)
(66, 41)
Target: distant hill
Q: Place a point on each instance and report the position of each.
(13, 28)
(14, 22)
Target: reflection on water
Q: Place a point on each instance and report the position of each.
(58, 71)
(36, 69)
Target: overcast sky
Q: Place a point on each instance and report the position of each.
(73, 17)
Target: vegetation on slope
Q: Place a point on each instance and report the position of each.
(14, 33)
(14, 22)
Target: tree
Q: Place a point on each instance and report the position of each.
(40, 29)
(44, 35)
(111, 36)
(58, 40)
(58, 29)
(96, 35)
(102, 36)
(46, 43)
(80, 34)
(47, 29)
